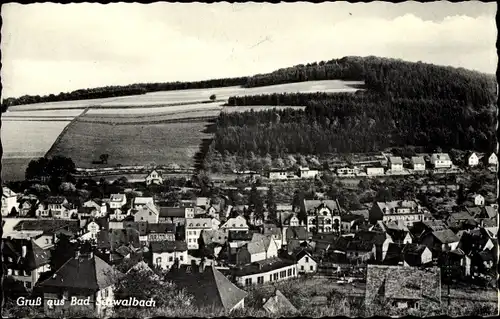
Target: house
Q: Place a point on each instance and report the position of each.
(97, 210)
(374, 170)
(57, 207)
(273, 231)
(259, 248)
(166, 253)
(306, 264)
(160, 232)
(255, 220)
(25, 261)
(238, 223)
(27, 206)
(9, 201)
(278, 304)
(477, 199)
(398, 232)
(83, 276)
(44, 231)
(472, 159)
(194, 227)
(441, 240)
(323, 216)
(346, 171)
(95, 225)
(377, 242)
(358, 251)
(295, 233)
(441, 160)
(418, 163)
(264, 271)
(154, 177)
(350, 222)
(117, 201)
(403, 287)
(148, 212)
(493, 160)
(174, 215)
(139, 202)
(409, 255)
(189, 209)
(395, 163)
(209, 287)
(306, 172)
(277, 174)
(459, 219)
(409, 211)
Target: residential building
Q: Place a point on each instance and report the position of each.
(56, 207)
(493, 160)
(442, 240)
(409, 211)
(259, 248)
(418, 163)
(238, 223)
(9, 201)
(375, 170)
(154, 177)
(306, 172)
(264, 271)
(441, 160)
(209, 287)
(472, 159)
(277, 174)
(142, 201)
(395, 163)
(306, 264)
(174, 215)
(404, 287)
(166, 253)
(25, 261)
(98, 209)
(273, 231)
(194, 227)
(160, 232)
(323, 216)
(369, 241)
(84, 276)
(148, 213)
(477, 199)
(117, 201)
(409, 255)
(350, 223)
(27, 206)
(278, 304)
(295, 233)
(347, 171)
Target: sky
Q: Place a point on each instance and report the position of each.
(51, 48)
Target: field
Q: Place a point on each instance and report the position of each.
(133, 144)
(164, 127)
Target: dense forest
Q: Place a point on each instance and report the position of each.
(112, 91)
(404, 104)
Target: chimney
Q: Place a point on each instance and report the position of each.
(24, 250)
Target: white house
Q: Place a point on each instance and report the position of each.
(478, 199)
(9, 201)
(194, 227)
(238, 223)
(277, 174)
(165, 253)
(260, 247)
(306, 172)
(493, 159)
(305, 263)
(154, 178)
(418, 163)
(473, 159)
(142, 201)
(264, 271)
(148, 213)
(395, 163)
(374, 170)
(441, 160)
(117, 201)
(93, 228)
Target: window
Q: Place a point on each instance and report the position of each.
(142, 218)
(170, 258)
(181, 258)
(27, 273)
(158, 260)
(301, 267)
(149, 213)
(270, 277)
(289, 272)
(307, 259)
(275, 276)
(248, 281)
(293, 271)
(311, 268)
(260, 279)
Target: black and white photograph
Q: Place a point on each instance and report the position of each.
(249, 159)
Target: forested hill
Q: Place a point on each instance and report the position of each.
(393, 77)
(404, 103)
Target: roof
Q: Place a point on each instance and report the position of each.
(210, 288)
(48, 225)
(161, 228)
(365, 213)
(236, 222)
(301, 253)
(83, 272)
(271, 229)
(262, 266)
(55, 199)
(143, 200)
(311, 205)
(259, 243)
(154, 171)
(198, 223)
(214, 236)
(172, 212)
(441, 156)
(418, 160)
(35, 255)
(168, 246)
(445, 236)
(7, 192)
(278, 304)
(103, 241)
(123, 250)
(117, 198)
(372, 237)
(395, 160)
(461, 215)
(435, 225)
(297, 232)
(351, 218)
(491, 211)
(359, 246)
(392, 205)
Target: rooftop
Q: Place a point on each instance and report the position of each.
(262, 266)
(168, 246)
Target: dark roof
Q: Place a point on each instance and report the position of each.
(301, 253)
(351, 217)
(55, 199)
(141, 226)
(35, 255)
(123, 251)
(103, 241)
(474, 211)
(83, 272)
(161, 228)
(119, 237)
(210, 288)
(172, 212)
(48, 225)
(262, 266)
(445, 236)
(238, 235)
(372, 237)
(168, 246)
(297, 232)
(359, 246)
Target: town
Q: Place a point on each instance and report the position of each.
(426, 230)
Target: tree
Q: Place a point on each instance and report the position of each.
(104, 158)
(213, 97)
(67, 188)
(62, 251)
(271, 204)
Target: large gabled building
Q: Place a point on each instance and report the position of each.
(405, 211)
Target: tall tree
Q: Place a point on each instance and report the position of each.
(271, 204)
